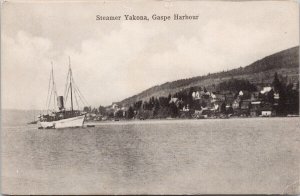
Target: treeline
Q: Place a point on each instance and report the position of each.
(236, 85)
(288, 96)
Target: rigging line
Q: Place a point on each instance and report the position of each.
(67, 82)
(49, 100)
(80, 97)
(66, 97)
(76, 100)
(81, 94)
(50, 97)
(84, 103)
(66, 91)
(54, 88)
(76, 93)
(55, 101)
(71, 79)
(48, 90)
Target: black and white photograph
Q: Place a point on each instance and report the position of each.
(111, 97)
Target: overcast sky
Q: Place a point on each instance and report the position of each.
(113, 60)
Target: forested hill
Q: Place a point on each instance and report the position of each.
(285, 62)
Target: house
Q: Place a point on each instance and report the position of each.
(245, 107)
(236, 106)
(219, 97)
(200, 95)
(254, 96)
(197, 95)
(176, 101)
(244, 94)
(295, 86)
(125, 111)
(215, 107)
(255, 108)
(266, 109)
(276, 98)
(115, 106)
(236, 103)
(213, 97)
(266, 113)
(241, 93)
(266, 89)
(229, 98)
(206, 112)
(229, 109)
(173, 100)
(186, 108)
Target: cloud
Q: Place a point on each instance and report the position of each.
(24, 72)
(115, 60)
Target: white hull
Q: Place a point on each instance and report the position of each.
(64, 123)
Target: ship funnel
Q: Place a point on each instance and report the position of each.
(60, 102)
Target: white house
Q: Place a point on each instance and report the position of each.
(266, 89)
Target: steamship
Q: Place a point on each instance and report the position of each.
(62, 118)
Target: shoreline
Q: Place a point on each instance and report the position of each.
(150, 121)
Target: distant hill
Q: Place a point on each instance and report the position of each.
(285, 63)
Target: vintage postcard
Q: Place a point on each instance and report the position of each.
(150, 97)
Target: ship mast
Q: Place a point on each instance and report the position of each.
(73, 89)
(53, 84)
(51, 90)
(70, 70)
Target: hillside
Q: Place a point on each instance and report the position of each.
(285, 63)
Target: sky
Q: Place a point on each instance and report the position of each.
(112, 60)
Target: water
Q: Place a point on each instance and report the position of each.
(255, 155)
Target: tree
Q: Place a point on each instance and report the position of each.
(173, 110)
(95, 110)
(280, 88)
(156, 107)
(102, 110)
(276, 83)
(137, 105)
(169, 97)
(119, 114)
(87, 109)
(270, 96)
(223, 108)
(130, 113)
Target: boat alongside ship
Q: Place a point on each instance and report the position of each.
(63, 118)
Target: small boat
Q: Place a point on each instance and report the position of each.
(32, 122)
(63, 118)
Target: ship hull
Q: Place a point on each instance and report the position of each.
(64, 123)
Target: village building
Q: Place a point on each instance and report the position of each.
(176, 101)
(115, 106)
(236, 106)
(267, 110)
(245, 107)
(255, 108)
(254, 96)
(266, 89)
(186, 108)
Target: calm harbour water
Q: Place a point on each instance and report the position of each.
(253, 155)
